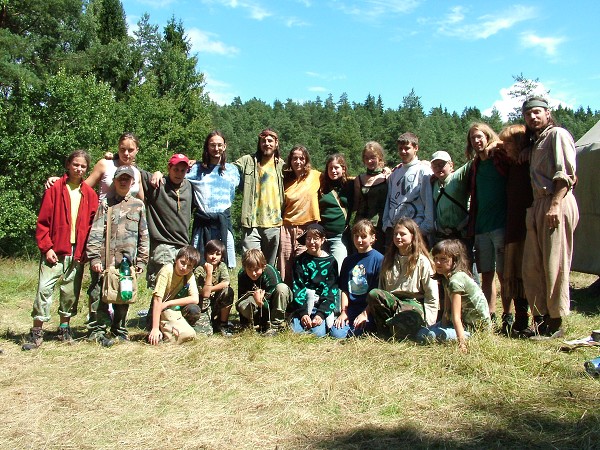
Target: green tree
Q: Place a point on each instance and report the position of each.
(523, 88)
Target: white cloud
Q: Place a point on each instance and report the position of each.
(204, 42)
(255, 9)
(295, 22)
(219, 91)
(325, 76)
(507, 104)
(455, 23)
(157, 4)
(373, 9)
(547, 44)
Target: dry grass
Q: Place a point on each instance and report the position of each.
(291, 391)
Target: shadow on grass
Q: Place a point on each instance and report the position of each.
(523, 431)
(586, 300)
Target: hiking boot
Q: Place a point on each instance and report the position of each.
(553, 329)
(34, 339)
(537, 328)
(521, 315)
(64, 335)
(508, 320)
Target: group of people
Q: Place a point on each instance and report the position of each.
(407, 266)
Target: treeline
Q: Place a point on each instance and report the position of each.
(72, 77)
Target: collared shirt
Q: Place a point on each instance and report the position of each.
(552, 158)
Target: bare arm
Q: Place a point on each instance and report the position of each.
(155, 335)
(457, 321)
(356, 193)
(97, 172)
(341, 320)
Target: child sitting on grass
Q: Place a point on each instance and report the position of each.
(217, 296)
(466, 306)
(359, 274)
(174, 306)
(262, 297)
(315, 284)
(407, 298)
(63, 225)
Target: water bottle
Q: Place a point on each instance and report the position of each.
(125, 279)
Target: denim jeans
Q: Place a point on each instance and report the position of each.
(437, 333)
(318, 331)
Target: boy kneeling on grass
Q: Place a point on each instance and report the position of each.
(174, 304)
(217, 296)
(262, 296)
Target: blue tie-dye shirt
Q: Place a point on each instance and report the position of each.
(213, 192)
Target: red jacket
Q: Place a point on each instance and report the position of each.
(53, 229)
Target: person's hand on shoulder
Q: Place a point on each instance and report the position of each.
(156, 179)
(50, 182)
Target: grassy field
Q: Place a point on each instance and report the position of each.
(292, 392)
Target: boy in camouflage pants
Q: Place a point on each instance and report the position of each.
(129, 238)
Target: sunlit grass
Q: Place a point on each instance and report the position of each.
(291, 391)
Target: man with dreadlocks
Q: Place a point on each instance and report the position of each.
(262, 185)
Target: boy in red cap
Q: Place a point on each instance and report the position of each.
(169, 208)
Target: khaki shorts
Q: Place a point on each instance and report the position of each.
(175, 328)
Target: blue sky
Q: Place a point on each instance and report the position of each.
(456, 54)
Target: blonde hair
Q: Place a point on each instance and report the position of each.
(490, 135)
(375, 147)
(254, 258)
(363, 226)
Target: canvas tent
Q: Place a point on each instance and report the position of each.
(587, 192)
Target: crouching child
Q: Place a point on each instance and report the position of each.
(262, 296)
(212, 279)
(174, 308)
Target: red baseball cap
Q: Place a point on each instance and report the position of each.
(178, 158)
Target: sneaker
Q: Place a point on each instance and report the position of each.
(223, 328)
(106, 342)
(34, 339)
(270, 332)
(65, 335)
(100, 338)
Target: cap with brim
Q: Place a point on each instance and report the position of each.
(124, 170)
(313, 226)
(441, 155)
(534, 103)
(178, 158)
